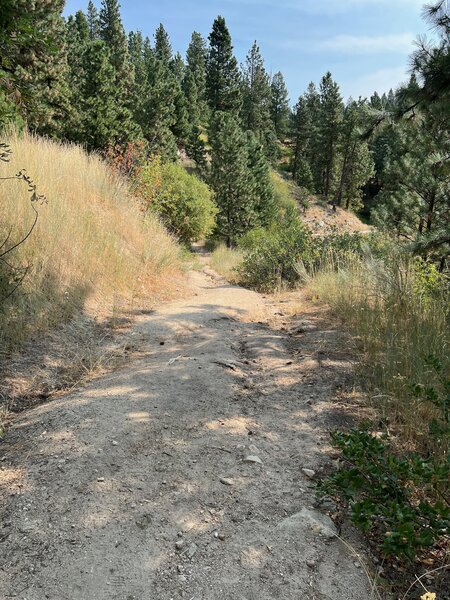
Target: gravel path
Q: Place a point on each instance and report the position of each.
(187, 474)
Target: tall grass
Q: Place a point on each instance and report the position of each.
(399, 313)
(91, 249)
(225, 261)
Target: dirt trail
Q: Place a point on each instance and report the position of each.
(180, 476)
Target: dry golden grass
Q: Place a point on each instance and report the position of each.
(402, 331)
(225, 261)
(91, 250)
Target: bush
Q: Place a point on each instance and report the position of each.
(270, 255)
(183, 202)
(399, 500)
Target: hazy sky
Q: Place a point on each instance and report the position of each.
(364, 43)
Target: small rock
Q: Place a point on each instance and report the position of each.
(309, 473)
(179, 545)
(253, 459)
(221, 536)
(226, 481)
(180, 568)
(311, 563)
(357, 564)
(114, 443)
(190, 550)
(100, 479)
(316, 521)
(180, 534)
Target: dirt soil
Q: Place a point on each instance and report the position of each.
(189, 473)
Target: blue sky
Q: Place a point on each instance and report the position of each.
(364, 43)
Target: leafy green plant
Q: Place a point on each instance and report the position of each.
(184, 202)
(401, 501)
(270, 255)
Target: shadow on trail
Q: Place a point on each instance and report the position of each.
(101, 485)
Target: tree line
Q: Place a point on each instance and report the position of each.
(84, 79)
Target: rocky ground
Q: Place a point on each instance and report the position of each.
(189, 473)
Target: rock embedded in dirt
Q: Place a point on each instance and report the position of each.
(226, 481)
(190, 550)
(316, 521)
(309, 473)
(179, 545)
(253, 459)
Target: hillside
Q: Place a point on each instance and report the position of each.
(317, 214)
(91, 260)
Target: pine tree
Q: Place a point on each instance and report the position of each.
(113, 34)
(163, 47)
(222, 74)
(331, 108)
(356, 164)
(45, 70)
(33, 64)
(100, 112)
(231, 179)
(77, 39)
(265, 207)
(302, 128)
(140, 89)
(256, 93)
(279, 105)
(195, 78)
(93, 21)
(312, 99)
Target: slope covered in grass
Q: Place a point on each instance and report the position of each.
(92, 248)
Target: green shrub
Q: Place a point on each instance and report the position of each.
(401, 501)
(270, 255)
(183, 202)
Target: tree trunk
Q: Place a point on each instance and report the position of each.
(431, 210)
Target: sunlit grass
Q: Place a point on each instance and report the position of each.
(92, 248)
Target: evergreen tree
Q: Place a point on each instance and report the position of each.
(331, 109)
(231, 179)
(195, 78)
(302, 127)
(222, 74)
(99, 110)
(279, 105)
(113, 34)
(39, 67)
(159, 109)
(178, 67)
(356, 164)
(265, 207)
(312, 99)
(256, 93)
(137, 49)
(77, 39)
(93, 21)
(163, 48)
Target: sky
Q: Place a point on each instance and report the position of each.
(364, 43)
